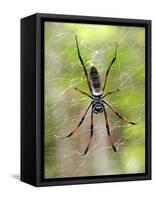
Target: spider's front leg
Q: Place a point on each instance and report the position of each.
(118, 115)
(76, 128)
(91, 134)
(108, 130)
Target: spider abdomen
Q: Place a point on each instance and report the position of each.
(95, 82)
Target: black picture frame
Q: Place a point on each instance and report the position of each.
(32, 99)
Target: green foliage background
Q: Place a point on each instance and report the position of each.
(64, 105)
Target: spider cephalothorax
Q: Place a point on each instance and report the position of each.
(97, 105)
(98, 102)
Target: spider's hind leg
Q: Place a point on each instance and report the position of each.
(109, 67)
(82, 62)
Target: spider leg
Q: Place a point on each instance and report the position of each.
(82, 63)
(84, 93)
(120, 116)
(108, 130)
(91, 134)
(107, 72)
(111, 92)
(76, 128)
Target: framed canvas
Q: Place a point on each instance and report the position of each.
(85, 99)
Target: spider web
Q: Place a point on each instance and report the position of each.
(64, 105)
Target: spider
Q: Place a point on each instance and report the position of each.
(98, 102)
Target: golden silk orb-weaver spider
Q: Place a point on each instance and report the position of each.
(98, 99)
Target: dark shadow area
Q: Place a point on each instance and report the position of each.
(16, 176)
